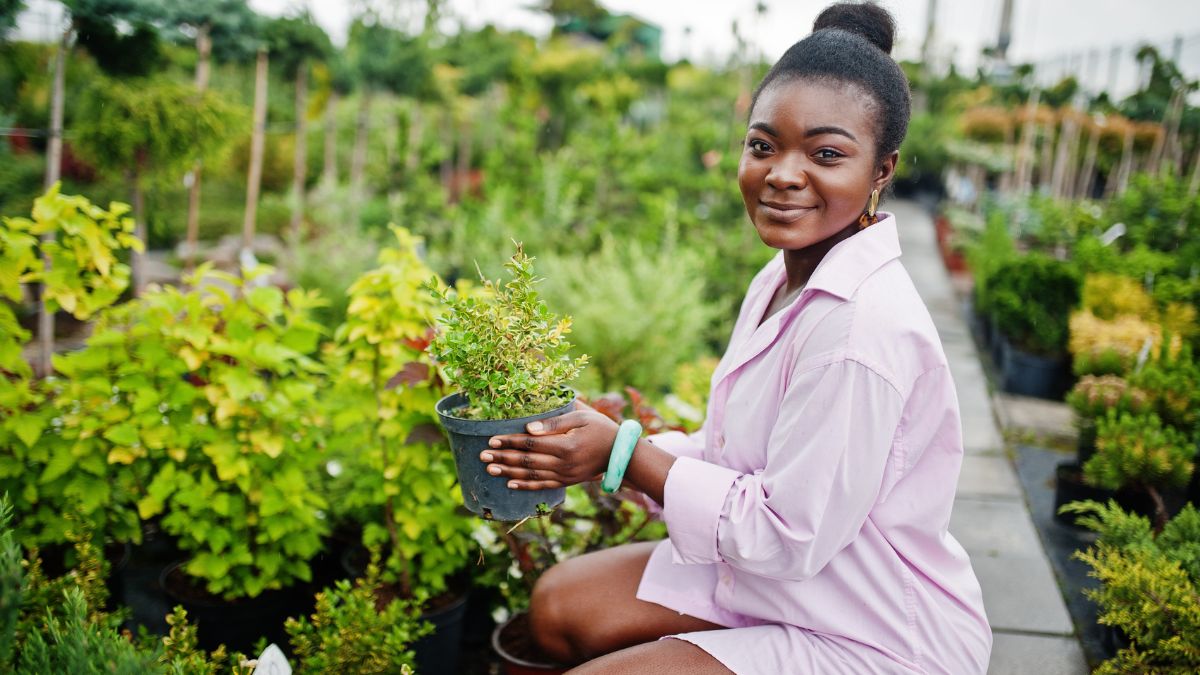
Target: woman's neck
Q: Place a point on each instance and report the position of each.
(801, 263)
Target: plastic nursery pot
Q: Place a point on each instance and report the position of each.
(1070, 487)
(1032, 375)
(515, 646)
(484, 494)
(239, 623)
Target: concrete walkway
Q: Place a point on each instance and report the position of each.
(1032, 629)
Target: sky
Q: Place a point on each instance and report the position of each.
(1062, 36)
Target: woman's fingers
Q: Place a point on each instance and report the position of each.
(534, 485)
(497, 459)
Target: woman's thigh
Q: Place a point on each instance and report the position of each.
(662, 657)
(587, 606)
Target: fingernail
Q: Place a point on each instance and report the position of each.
(535, 426)
(512, 485)
(486, 456)
(495, 442)
(494, 470)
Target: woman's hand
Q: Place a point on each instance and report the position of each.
(559, 451)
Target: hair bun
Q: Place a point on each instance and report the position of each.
(867, 20)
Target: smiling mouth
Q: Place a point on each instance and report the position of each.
(783, 212)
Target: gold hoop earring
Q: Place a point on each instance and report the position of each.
(869, 218)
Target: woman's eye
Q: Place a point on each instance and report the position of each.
(758, 146)
(828, 153)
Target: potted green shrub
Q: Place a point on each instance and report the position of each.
(1139, 453)
(226, 421)
(1148, 594)
(393, 487)
(508, 356)
(353, 630)
(1031, 298)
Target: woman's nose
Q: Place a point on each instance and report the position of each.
(788, 173)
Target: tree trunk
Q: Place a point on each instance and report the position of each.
(358, 161)
(300, 165)
(1194, 183)
(53, 173)
(1024, 169)
(412, 147)
(1062, 155)
(204, 53)
(329, 172)
(1117, 186)
(254, 180)
(463, 165)
(139, 225)
(1046, 162)
(1087, 175)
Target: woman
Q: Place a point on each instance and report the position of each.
(808, 518)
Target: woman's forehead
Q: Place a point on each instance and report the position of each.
(807, 103)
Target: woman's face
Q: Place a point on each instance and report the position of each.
(808, 166)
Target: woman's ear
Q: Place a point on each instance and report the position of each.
(886, 170)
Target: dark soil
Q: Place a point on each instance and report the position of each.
(517, 641)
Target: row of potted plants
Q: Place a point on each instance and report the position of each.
(1065, 289)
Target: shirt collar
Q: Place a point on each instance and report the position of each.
(850, 262)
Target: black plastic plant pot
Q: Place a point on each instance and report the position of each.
(1069, 486)
(484, 494)
(1033, 375)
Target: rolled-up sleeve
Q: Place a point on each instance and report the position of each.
(825, 460)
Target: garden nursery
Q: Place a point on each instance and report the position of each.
(263, 300)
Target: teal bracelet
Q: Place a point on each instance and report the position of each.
(622, 452)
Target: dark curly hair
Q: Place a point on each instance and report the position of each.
(851, 44)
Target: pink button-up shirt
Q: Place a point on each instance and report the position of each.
(819, 489)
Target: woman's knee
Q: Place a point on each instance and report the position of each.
(553, 614)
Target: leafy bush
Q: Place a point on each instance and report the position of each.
(356, 629)
(396, 474)
(1031, 298)
(661, 286)
(1148, 587)
(503, 348)
(1138, 451)
(1111, 295)
(222, 383)
(1174, 383)
(50, 468)
(1112, 347)
(1093, 396)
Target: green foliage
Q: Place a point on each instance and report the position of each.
(218, 384)
(993, 249)
(71, 644)
(513, 559)
(152, 126)
(397, 475)
(503, 348)
(181, 653)
(1030, 298)
(1148, 587)
(50, 471)
(1094, 395)
(357, 629)
(85, 274)
(661, 285)
(1137, 450)
(1174, 384)
(1157, 212)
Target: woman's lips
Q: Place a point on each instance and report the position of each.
(784, 213)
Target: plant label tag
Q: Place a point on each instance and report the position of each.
(272, 662)
(1112, 234)
(1143, 354)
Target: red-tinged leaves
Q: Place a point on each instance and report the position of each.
(412, 374)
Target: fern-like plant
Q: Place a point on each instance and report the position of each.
(1138, 451)
(1148, 587)
(503, 348)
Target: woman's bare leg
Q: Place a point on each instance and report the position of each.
(586, 607)
(664, 657)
